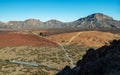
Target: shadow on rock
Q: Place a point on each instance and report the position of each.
(102, 61)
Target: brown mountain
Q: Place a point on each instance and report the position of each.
(32, 21)
(53, 22)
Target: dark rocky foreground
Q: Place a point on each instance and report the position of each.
(102, 61)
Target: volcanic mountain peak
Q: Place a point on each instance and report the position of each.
(99, 16)
(53, 21)
(96, 16)
(32, 21)
(96, 20)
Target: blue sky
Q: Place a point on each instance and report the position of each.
(63, 10)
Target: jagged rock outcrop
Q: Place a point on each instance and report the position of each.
(102, 61)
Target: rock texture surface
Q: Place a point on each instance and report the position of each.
(102, 61)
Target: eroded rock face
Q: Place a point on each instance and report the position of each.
(102, 61)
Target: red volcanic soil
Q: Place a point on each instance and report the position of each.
(9, 40)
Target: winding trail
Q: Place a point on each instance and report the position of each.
(73, 38)
(66, 53)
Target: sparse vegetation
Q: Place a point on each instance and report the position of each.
(50, 59)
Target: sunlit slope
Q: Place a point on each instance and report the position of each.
(87, 38)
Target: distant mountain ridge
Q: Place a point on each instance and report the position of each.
(96, 20)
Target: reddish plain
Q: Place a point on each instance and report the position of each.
(12, 39)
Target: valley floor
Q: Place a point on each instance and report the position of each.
(48, 54)
(50, 59)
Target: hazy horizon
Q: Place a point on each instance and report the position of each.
(62, 10)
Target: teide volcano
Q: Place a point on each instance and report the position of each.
(97, 20)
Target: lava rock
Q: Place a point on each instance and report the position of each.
(102, 61)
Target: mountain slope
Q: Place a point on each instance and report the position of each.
(97, 20)
(86, 38)
(53, 24)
